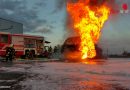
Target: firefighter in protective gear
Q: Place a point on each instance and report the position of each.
(10, 53)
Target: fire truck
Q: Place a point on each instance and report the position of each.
(22, 43)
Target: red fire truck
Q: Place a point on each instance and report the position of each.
(22, 43)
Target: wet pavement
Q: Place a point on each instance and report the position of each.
(9, 80)
(34, 75)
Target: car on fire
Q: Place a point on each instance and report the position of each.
(70, 50)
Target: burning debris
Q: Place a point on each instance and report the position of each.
(88, 17)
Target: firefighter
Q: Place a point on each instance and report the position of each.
(31, 55)
(49, 52)
(45, 54)
(27, 54)
(55, 49)
(10, 53)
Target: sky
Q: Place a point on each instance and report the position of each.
(48, 18)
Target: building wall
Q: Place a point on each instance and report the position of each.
(11, 26)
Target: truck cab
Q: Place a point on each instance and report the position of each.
(5, 41)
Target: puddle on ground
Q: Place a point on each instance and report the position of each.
(10, 80)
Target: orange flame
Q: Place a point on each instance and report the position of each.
(88, 21)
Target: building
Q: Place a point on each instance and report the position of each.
(11, 26)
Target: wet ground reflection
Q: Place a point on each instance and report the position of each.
(91, 85)
(94, 62)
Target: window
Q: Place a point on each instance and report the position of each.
(29, 43)
(4, 38)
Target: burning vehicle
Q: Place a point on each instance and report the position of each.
(71, 50)
(87, 19)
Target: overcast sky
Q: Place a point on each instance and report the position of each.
(48, 18)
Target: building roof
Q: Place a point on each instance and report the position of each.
(9, 20)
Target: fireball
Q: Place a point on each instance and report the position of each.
(88, 20)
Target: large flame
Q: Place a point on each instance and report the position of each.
(88, 21)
